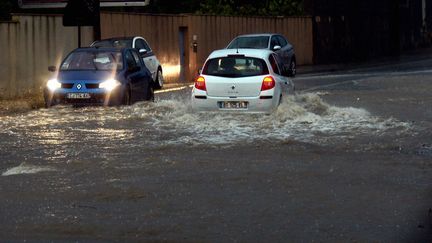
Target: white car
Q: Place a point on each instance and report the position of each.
(139, 43)
(243, 80)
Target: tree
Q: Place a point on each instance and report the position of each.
(6, 7)
(284, 7)
(247, 7)
(217, 7)
(172, 7)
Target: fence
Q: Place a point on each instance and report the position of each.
(172, 36)
(28, 46)
(31, 43)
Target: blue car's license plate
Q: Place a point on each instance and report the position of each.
(78, 96)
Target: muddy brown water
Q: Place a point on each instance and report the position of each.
(328, 165)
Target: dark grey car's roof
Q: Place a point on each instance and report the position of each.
(114, 49)
(118, 38)
(257, 34)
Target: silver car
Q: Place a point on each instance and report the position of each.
(273, 42)
(139, 43)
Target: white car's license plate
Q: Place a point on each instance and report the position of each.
(78, 96)
(233, 104)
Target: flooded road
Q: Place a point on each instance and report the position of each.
(348, 158)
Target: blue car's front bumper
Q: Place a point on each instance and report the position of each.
(94, 96)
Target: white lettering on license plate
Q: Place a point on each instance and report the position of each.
(233, 105)
(78, 96)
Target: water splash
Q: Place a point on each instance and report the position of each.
(304, 118)
(299, 117)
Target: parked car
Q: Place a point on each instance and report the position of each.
(100, 76)
(245, 80)
(273, 42)
(139, 43)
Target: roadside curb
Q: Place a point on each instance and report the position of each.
(169, 87)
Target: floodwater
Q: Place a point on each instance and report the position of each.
(338, 162)
(58, 135)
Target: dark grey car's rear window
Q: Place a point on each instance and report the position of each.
(235, 67)
(254, 42)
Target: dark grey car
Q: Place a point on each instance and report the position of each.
(274, 42)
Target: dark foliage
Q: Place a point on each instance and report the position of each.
(6, 7)
(246, 7)
(217, 7)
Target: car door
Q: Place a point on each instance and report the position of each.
(274, 42)
(147, 56)
(287, 51)
(285, 83)
(135, 75)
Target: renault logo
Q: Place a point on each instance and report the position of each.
(79, 86)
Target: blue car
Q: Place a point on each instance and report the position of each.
(100, 76)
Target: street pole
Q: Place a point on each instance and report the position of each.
(97, 22)
(79, 36)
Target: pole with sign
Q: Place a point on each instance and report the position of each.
(83, 13)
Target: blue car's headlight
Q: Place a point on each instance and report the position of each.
(109, 85)
(53, 84)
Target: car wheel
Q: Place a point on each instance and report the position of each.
(47, 99)
(150, 93)
(158, 84)
(127, 97)
(48, 104)
(293, 68)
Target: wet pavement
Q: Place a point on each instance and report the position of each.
(347, 159)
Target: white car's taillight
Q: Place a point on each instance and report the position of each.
(200, 83)
(268, 83)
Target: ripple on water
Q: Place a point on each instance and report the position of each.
(27, 169)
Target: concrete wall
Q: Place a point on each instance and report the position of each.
(211, 32)
(30, 44)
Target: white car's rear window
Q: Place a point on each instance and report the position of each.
(235, 66)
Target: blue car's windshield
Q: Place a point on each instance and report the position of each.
(93, 60)
(254, 42)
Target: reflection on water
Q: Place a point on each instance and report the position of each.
(99, 133)
(26, 169)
